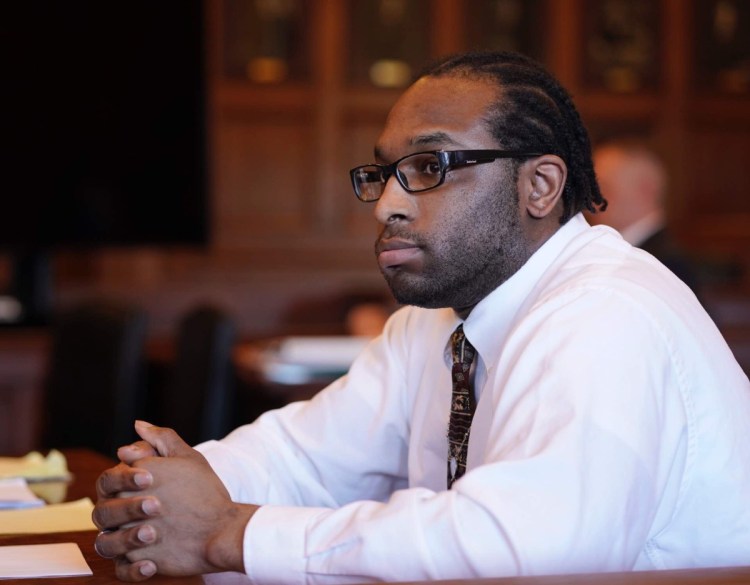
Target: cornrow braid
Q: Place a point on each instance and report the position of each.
(533, 113)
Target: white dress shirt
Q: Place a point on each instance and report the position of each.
(612, 433)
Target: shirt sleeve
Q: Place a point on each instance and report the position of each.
(584, 438)
(348, 442)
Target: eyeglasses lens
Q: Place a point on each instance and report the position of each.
(417, 172)
(420, 171)
(369, 182)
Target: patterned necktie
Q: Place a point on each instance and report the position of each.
(462, 405)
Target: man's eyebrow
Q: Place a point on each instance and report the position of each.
(434, 138)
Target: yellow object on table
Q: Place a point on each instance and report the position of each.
(36, 467)
(66, 517)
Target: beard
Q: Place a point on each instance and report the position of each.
(472, 253)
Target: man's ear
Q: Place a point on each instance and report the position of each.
(541, 182)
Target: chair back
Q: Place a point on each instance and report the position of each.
(94, 386)
(197, 399)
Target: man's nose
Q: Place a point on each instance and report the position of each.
(395, 203)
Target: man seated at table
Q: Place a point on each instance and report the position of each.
(553, 400)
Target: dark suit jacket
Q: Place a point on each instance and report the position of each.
(666, 250)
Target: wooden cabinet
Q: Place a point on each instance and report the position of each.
(282, 148)
(299, 91)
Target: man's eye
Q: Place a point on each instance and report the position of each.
(429, 166)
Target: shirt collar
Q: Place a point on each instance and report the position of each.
(489, 322)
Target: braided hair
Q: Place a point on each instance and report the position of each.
(533, 113)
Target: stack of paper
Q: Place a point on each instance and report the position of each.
(23, 512)
(15, 493)
(67, 517)
(42, 560)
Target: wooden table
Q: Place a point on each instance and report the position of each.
(723, 576)
(87, 465)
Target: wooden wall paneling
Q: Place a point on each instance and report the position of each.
(618, 114)
(563, 41)
(266, 184)
(448, 32)
(388, 40)
(721, 54)
(23, 362)
(621, 41)
(711, 141)
(283, 208)
(673, 106)
(506, 25)
(265, 42)
(328, 51)
(717, 160)
(716, 223)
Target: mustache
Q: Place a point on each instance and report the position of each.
(389, 233)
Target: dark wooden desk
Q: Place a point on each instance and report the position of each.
(85, 466)
(723, 576)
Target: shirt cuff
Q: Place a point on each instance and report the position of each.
(274, 548)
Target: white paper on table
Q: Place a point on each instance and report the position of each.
(42, 560)
(298, 360)
(15, 493)
(67, 517)
(324, 352)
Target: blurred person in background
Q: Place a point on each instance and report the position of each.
(633, 180)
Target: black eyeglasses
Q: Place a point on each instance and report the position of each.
(422, 171)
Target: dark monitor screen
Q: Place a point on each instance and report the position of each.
(102, 124)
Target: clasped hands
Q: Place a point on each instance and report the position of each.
(163, 509)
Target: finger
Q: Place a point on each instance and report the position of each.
(122, 478)
(138, 571)
(131, 453)
(118, 543)
(110, 514)
(165, 441)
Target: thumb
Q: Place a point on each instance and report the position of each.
(164, 440)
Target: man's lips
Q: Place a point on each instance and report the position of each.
(393, 252)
